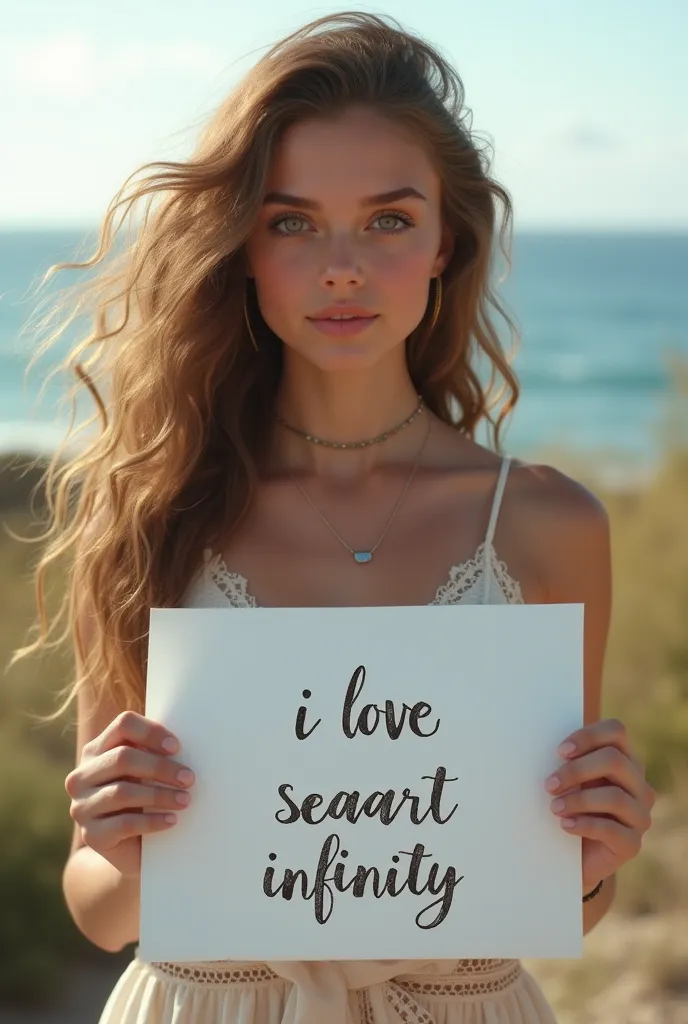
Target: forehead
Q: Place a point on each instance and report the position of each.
(359, 152)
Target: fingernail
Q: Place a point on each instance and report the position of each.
(567, 822)
(185, 776)
(182, 798)
(552, 783)
(558, 805)
(567, 748)
(170, 745)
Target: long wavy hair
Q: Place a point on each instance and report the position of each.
(184, 404)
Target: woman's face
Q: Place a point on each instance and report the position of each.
(336, 247)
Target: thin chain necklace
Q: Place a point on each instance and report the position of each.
(355, 444)
(362, 557)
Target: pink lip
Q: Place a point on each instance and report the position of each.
(342, 309)
(343, 328)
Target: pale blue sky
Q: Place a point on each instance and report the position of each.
(584, 101)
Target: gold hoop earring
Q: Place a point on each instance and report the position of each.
(438, 303)
(253, 340)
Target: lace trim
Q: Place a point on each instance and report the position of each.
(217, 972)
(462, 578)
(231, 584)
(477, 987)
(510, 586)
(365, 1010)
(482, 966)
(490, 976)
(406, 1007)
(465, 576)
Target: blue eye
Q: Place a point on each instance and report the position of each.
(284, 217)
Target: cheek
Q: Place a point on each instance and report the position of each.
(405, 281)
(283, 280)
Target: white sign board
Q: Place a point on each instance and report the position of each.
(369, 783)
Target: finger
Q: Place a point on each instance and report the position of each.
(125, 795)
(105, 833)
(608, 800)
(648, 797)
(624, 842)
(132, 763)
(608, 732)
(607, 763)
(131, 728)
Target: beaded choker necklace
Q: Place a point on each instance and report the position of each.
(355, 444)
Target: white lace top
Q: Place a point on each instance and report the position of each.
(482, 579)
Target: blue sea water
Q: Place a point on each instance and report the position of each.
(599, 316)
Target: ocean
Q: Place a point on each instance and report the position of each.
(600, 316)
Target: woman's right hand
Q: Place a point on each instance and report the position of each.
(126, 785)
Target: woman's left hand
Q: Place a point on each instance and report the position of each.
(600, 794)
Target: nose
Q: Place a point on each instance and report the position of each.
(342, 268)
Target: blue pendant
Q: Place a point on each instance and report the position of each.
(363, 556)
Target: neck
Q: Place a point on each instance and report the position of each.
(345, 407)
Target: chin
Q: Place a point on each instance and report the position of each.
(355, 353)
(346, 358)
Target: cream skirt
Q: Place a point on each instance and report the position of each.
(224, 992)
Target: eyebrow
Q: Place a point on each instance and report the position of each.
(283, 198)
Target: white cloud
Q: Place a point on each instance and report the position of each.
(72, 65)
(62, 64)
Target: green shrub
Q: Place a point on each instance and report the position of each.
(36, 932)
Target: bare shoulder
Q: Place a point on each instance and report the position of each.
(537, 493)
(565, 524)
(541, 502)
(557, 501)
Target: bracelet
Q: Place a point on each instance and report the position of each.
(593, 892)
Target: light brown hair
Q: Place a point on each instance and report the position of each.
(184, 404)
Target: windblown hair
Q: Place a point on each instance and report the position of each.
(184, 404)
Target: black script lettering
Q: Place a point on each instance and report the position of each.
(446, 886)
(325, 884)
(301, 733)
(439, 779)
(384, 805)
(295, 813)
(448, 883)
(321, 891)
(369, 716)
(324, 897)
(354, 688)
(421, 710)
(286, 887)
(314, 800)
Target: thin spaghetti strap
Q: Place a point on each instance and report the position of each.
(496, 505)
(497, 501)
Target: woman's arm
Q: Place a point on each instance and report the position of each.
(103, 903)
(574, 539)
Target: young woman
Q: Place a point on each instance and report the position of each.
(292, 401)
